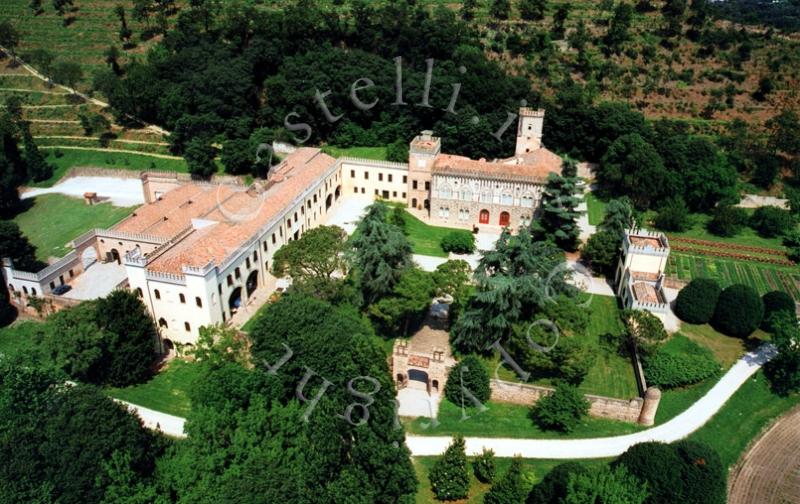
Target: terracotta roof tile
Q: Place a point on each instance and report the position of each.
(241, 214)
(535, 166)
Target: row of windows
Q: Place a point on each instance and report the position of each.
(24, 289)
(415, 185)
(162, 323)
(485, 197)
(181, 296)
(389, 176)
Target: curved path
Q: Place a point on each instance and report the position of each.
(769, 472)
(677, 428)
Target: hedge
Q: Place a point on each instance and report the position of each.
(668, 370)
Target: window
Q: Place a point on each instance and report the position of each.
(352, 173)
(394, 194)
(295, 216)
(219, 288)
(463, 214)
(52, 285)
(413, 184)
(427, 186)
(162, 323)
(466, 194)
(182, 298)
(25, 289)
(444, 212)
(355, 190)
(404, 195)
(289, 223)
(362, 190)
(238, 273)
(265, 246)
(71, 274)
(139, 292)
(255, 256)
(486, 197)
(158, 294)
(527, 201)
(230, 281)
(506, 199)
(198, 302)
(187, 326)
(390, 177)
(247, 263)
(315, 198)
(405, 179)
(445, 191)
(376, 192)
(366, 175)
(380, 177)
(273, 238)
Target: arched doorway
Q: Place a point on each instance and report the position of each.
(88, 257)
(115, 256)
(168, 347)
(505, 218)
(418, 379)
(235, 300)
(328, 201)
(337, 193)
(484, 217)
(162, 323)
(252, 283)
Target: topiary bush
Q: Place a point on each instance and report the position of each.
(459, 242)
(483, 466)
(510, 489)
(449, 476)
(739, 311)
(703, 477)
(775, 302)
(469, 374)
(668, 370)
(697, 301)
(561, 410)
(659, 466)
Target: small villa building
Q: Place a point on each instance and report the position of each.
(640, 274)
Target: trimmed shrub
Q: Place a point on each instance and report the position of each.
(657, 464)
(769, 221)
(728, 221)
(697, 301)
(668, 370)
(775, 302)
(561, 410)
(554, 486)
(459, 242)
(483, 466)
(739, 311)
(469, 374)
(703, 477)
(510, 489)
(449, 476)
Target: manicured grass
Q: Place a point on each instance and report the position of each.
(751, 409)
(167, 392)
(746, 237)
(18, 337)
(596, 208)
(53, 220)
(612, 375)
(426, 239)
(113, 160)
(534, 470)
(726, 349)
(508, 420)
(378, 153)
(760, 276)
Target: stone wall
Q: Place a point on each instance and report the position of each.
(601, 407)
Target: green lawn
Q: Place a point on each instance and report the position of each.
(534, 471)
(98, 158)
(751, 409)
(426, 239)
(612, 375)
(53, 220)
(596, 209)
(18, 337)
(378, 153)
(508, 420)
(168, 391)
(746, 237)
(760, 276)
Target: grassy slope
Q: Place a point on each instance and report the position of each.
(752, 408)
(115, 160)
(168, 391)
(54, 220)
(426, 239)
(17, 337)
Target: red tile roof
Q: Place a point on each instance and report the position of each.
(534, 166)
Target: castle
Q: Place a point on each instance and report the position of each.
(196, 252)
